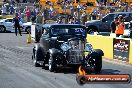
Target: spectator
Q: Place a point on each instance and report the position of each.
(59, 21)
(16, 21)
(84, 17)
(28, 13)
(45, 13)
(4, 10)
(120, 26)
(71, 21)
(71, 9)
(77, 21)
(39, 18)
(12, 10)
(113, 25)
(33, 15)
(93, 16)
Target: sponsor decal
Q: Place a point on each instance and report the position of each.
(121, 49)
(83, 78)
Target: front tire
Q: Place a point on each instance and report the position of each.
(35, 63)
(98, 65)
(2, 29)
(38, 56)
(52, 64)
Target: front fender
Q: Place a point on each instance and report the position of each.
(97, 52)
(36, 47)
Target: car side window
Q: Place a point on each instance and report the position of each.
(10, 20)
(7, 20)
(122, 15)
(109, 17)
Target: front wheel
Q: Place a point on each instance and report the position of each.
(35, 63)
(2, 29)
(52, 64)
(37, 56)
(96, 63)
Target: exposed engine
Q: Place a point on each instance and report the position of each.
(76, 53)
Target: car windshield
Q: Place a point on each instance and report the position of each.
(68, 31)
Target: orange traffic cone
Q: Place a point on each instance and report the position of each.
(29, 38)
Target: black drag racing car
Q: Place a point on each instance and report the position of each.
(65, 45)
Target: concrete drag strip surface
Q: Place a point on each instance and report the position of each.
(17, 70)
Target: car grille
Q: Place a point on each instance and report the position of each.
(76, 53)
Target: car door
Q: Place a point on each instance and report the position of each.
(9, 25)
(105, 23)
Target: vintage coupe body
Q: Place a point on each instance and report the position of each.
(65, 45)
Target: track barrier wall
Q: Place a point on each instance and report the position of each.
(113, 48)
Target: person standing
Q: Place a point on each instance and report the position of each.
(71, 21)
(59, 21)
(120, 26)
(12, 10)
(4, 10)
(33, 15)
(84, 17)
(16, 21)
(28, 13)
(113, 25)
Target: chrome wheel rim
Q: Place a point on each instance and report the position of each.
(1, 29)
